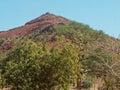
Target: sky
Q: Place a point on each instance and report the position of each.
(98, 14)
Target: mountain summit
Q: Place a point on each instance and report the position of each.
(51, 18)
(38, 23)
(53, 53)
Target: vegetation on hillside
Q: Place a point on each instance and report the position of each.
(59, 56)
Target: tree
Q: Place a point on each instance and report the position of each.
(30, 67)
(105, 65)
(16, 66)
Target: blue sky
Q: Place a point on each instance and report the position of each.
(99, 14)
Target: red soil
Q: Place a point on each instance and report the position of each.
(38, 23)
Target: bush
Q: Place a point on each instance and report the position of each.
(1, 42)
(31, 68)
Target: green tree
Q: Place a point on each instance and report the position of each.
(29, 67)
(104, 65)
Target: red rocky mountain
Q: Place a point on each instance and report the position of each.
(38, 23)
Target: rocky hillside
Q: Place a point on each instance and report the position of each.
(38, 23)
(47, 22)
(65, 52)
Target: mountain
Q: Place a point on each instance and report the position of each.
(54, 52)
(47, 21)
(38, 23)
(30, 27)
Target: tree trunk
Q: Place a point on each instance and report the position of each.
(78, 84)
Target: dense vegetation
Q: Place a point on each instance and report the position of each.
(59, 56)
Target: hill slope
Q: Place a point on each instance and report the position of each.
(62, 42)
(30, 27)
(38, 23)
(49, 21)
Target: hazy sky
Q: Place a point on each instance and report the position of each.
(99, 14)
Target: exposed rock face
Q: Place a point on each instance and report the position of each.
(38, 23)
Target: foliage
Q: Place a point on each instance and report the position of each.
(103, 64)
(57, 56)
(1, 42)
(87, 83)
(67, 31)
(29, 67)
(89, 34)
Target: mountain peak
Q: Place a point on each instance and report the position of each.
(48, 17)
(37, 23)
